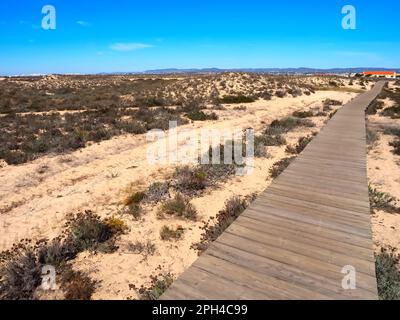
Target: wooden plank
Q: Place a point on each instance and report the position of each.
(300, 236)
(304, 228)
(310, 211)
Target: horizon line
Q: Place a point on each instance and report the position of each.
(205, 69)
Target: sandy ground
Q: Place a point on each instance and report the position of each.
(384, 174)
(36, 197)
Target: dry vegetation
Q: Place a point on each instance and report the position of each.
(75, 144)
(57, 114)
(383, 137)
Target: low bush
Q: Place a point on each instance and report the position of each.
(157, 191)
(392, 112)
(217, 173)
(396, 146)
(86, 231)
(265, 95)
(374, 106)
(133, 205)
(77, 285)
(25, 137)
(280, 166)
(287, 124)
(117, 225)
(147, 249)
(280, 93)
(21, 267)
(372, 137)
(179, 206)
(392, 131)
(260, 148)
(388, 274)
(332, 102)
(303, 114)
(321, 114)
(21, 271)
(159, 284)
(300, 146)
(189, 179)
(332, 114)
(57, 252)
(135, 197)
(213, 229)
(296, 92)
(198, 115)
(275, 140)
(20, 276)
(134, 209)
(382, 201)
(231, 99)
(168, 233)
(333, 83)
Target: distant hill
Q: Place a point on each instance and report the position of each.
(269, 70)
(256, 70)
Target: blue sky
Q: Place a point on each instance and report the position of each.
(122, 35)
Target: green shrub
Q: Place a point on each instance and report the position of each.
(190, 179)
(332, 114)
(287, 124)
(280, 93)
(382, 200)
(133, 204)
(388, 274)
(88, 232)
(136, 197)
(392, 112)
(159, 284)
(57, 252)
(167, 233)
(216, 172)
(157, 191)
(138, 247)
(240, 108)
(77, 285)
(372, 137)
(231, 99)
(260, 150)
(232, 210)
(179, 206)
(300, 146)
(20, 277)
(331, 102)
(198, 115)
(269, 139)
(134, 209)
(396, 146)
(21, 269)
(303, 114)
(374, 106)
(280, 166)
(392, 131)
(117, 225)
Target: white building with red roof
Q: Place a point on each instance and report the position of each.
(380, 74)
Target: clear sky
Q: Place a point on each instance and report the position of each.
(122, 35)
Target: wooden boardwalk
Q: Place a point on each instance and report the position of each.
(294, 240)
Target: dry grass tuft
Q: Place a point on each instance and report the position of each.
(179, 206)
(170, 233)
